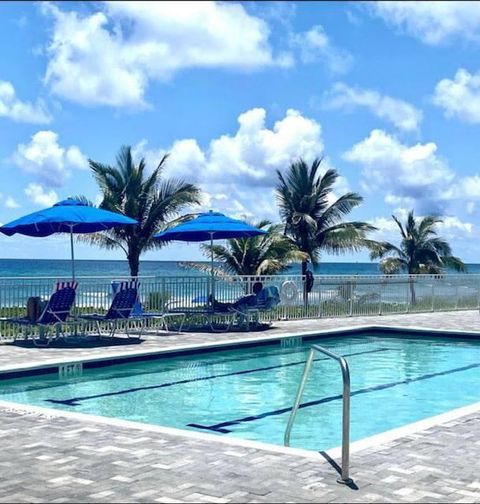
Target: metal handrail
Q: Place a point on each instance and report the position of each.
(345, 478)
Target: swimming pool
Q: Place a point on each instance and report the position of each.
(396, 379)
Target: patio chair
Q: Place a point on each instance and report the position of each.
(54, 315)
(239, 309)
(218, 310)
(264, 300)
(211, 311)
(163, 315)
(120, 309)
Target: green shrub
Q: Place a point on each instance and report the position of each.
(158, 300)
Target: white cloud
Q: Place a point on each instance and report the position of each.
(453, 227)
(466, 191)
(255, 151)
(12, 107)
(407, 175)
(47, 160)
(471, 207)
(432, 22)
(110, 56)
(467, 187)
(39, 196)
(250, 156)
(11, 203)
(414, 177)
(315, 45)
(460, 97)
(387, 230)
(238, 171)
(401, 114)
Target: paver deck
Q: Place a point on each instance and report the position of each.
(57, 458)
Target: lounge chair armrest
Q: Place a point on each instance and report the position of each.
(92, 316)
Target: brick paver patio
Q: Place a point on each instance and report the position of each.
(64, 459)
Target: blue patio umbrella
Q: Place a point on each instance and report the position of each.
(68, 216)
(210, 226)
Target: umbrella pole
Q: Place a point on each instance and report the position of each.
(72, 253)
(211, 267)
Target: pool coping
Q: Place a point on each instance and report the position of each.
(356, 446)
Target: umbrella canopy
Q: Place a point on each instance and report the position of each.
(208, 226)
(68, 216)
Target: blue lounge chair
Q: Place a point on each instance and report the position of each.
(263, 299)
(143, 316)
(120, 309)
(267, 299)
(55, 315)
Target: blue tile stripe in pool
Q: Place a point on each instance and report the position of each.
(221, 427)
(75, 401)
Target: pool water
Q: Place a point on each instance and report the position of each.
(249, 392)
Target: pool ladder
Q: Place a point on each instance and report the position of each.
(345, 478)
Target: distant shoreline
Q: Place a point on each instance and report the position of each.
(161, 260)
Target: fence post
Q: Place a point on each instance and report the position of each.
(163, 297)
(380, 302)
(407, 307)
(350, 310)
(433, 294)
(319, 285)
(478, 298)
(478, 295)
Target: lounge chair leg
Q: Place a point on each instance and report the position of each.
(142, 328)
(99, 330)
(43, 339)
(161, 326)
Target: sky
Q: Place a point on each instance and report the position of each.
(387, 93)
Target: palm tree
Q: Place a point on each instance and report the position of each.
(150, 199)
(266, 254)
(312, 220)
(421, 250)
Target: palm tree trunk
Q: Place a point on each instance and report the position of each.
(134, 261)
(413, 296)
(411, 281)
(304, 279)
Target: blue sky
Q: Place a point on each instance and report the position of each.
(387, 92)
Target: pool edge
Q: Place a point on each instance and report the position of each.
(367, 443)
(356, 446)
(37, 367)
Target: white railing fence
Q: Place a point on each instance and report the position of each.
(331, 296)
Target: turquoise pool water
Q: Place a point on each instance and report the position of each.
(248, 393)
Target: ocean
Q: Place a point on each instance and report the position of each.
(92, 268)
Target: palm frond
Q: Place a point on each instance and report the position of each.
(304, 200)
(151, 199)
(392, 265)
(454, 263)
(421, 250)
(205, 268)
